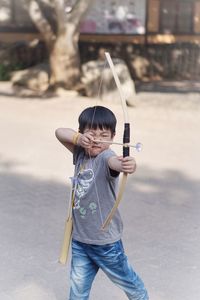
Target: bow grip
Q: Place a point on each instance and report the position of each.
(126, 139)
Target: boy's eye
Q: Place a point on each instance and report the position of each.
(105, 136)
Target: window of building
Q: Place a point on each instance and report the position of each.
(115, 17)
(176, 16)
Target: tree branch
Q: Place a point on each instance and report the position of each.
(59, 6)
(41, 22)
(79, 10)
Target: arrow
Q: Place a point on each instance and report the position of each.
(137, 146)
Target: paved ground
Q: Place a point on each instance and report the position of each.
(160, 207)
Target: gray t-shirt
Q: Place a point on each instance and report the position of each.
(95, 194)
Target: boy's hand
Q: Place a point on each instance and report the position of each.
(85, 140)
(128, 164)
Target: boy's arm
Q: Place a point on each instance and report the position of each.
(68, 137)
(122, 164)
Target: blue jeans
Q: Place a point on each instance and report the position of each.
(111, 259)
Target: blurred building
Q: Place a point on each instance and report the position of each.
(157, 38)
(132, 21)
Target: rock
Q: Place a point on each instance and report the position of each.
(140, 66)
(35, 79)
(99, 81)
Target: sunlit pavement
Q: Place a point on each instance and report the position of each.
(160, 207)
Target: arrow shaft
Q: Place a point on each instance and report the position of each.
(114, 143)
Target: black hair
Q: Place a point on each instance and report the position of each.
(97, 117)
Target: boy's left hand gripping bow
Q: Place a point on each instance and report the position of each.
(126, 141)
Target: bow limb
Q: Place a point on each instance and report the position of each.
(126, 141)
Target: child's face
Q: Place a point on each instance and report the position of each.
(100, 135)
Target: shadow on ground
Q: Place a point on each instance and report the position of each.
(168, 87)
(26, 94)
(162, 236)
(32, 214)
(161, 213)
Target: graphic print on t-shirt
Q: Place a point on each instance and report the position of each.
(82, 184)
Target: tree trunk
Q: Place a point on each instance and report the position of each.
(64, 60)
(64, 55)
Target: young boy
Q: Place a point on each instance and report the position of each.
(95, 185)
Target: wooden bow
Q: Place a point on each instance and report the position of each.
(126, 141)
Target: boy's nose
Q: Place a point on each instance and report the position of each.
(97, 140)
